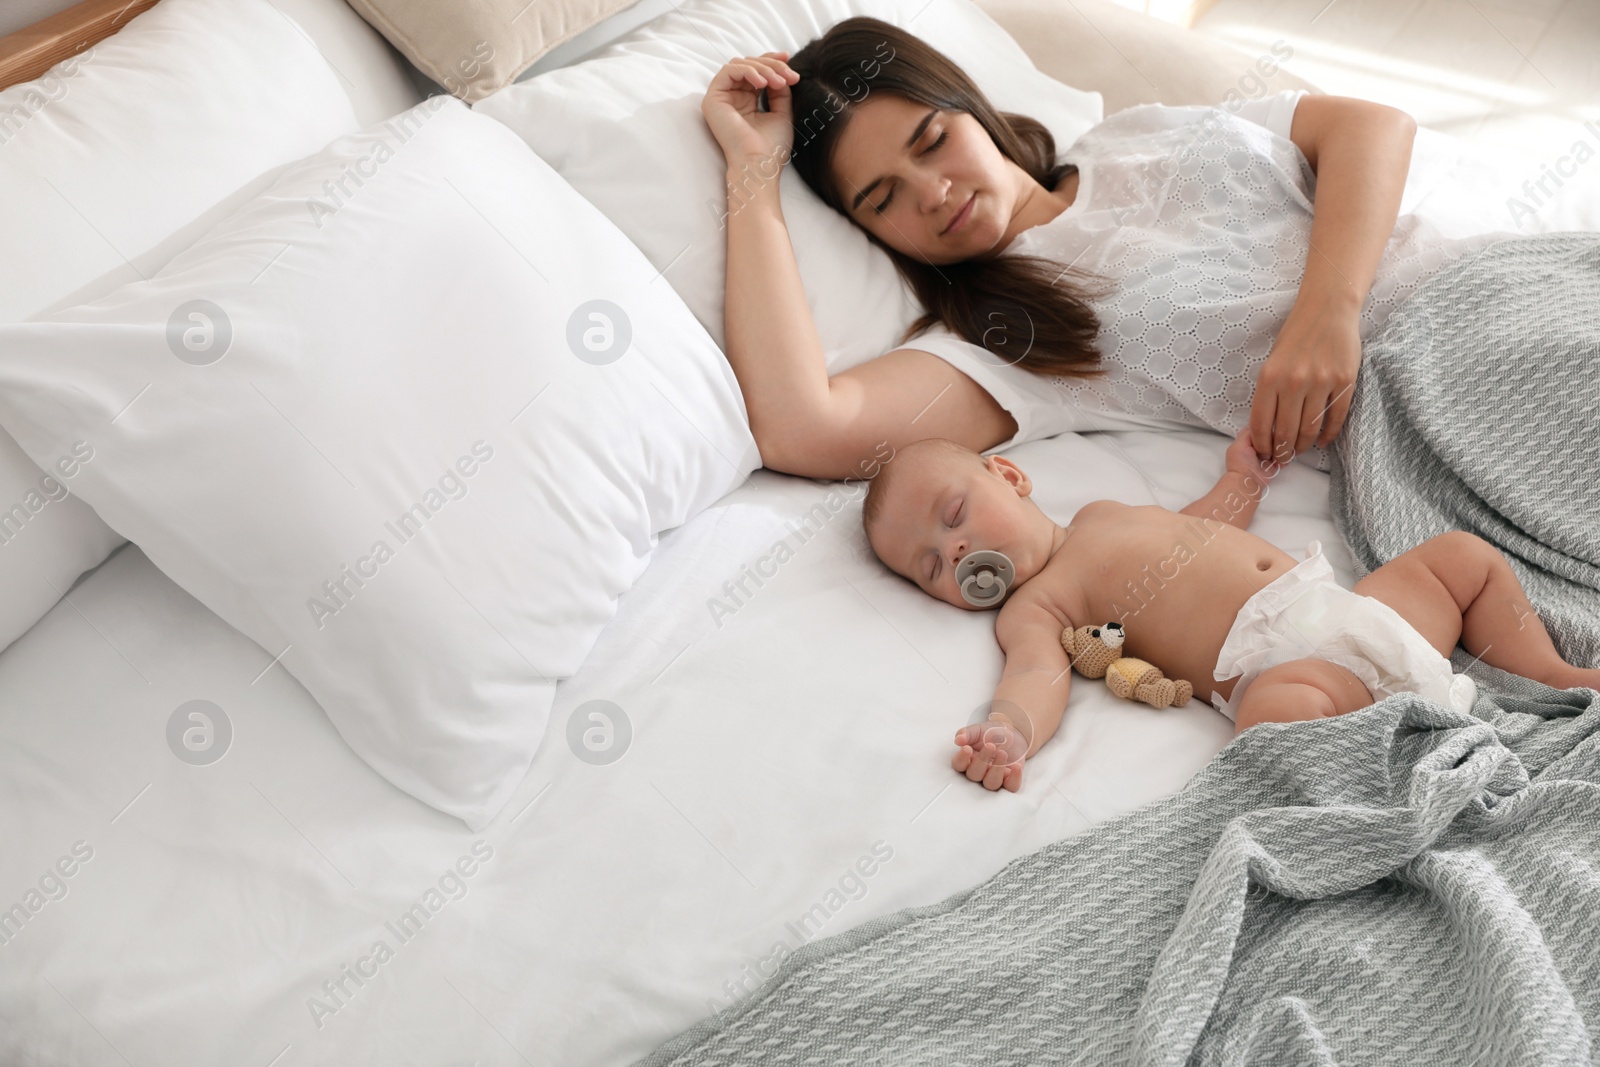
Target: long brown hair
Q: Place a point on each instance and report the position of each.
(1001, 304)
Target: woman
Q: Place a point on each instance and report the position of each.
(1171, 268)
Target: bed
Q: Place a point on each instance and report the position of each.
(771, 768)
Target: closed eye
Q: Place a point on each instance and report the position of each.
(934, 147)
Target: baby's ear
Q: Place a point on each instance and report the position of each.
(1012, 473)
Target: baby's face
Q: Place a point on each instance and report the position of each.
(941, 507)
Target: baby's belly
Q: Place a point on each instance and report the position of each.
(1178, 617)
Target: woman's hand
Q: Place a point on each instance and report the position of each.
(731, 107)
(1304, 389)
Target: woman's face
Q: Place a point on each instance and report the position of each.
(905, 171)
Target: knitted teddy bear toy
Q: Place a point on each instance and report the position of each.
(1096, 652)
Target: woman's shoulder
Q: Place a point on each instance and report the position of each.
(1135, 134)
(1148, 117)
(1147, 122)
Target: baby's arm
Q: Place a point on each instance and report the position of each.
(1029, 701)
(1241, 487)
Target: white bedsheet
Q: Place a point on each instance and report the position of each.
(622, 902)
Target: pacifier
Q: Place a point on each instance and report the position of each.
(985, 577)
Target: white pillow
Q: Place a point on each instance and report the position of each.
(109, 164)
(625, 128)
(413, 419)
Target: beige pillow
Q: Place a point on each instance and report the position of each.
(473, 47)
(1131, 58)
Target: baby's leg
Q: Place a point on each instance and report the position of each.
(1300, 689)
(1457, 587)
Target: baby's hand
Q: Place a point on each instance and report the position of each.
(1241, 457)
(991, 752)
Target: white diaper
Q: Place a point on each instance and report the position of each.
(1305, 613)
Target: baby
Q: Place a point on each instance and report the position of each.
(1266, 638)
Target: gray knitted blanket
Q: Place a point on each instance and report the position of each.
(1406, 884)
(1478, 408)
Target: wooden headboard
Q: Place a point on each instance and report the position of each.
(31, 51)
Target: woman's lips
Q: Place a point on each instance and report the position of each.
(961, 216)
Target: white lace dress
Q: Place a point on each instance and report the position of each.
(1202, 219)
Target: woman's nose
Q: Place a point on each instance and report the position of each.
(936, 192)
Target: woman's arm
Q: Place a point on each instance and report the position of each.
(804, 422)
(1360, 152)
